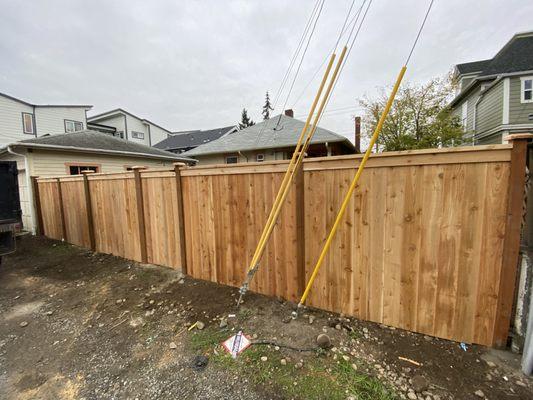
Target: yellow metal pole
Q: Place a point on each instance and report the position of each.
(346, 200)
(301, 155)
(288, 173)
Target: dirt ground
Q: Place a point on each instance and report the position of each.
(80, 325)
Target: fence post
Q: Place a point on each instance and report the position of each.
(89, 208)
(181, 218)
(511, 244)
(61, 211)
(300, 227)
(39, 229)
(140, 211)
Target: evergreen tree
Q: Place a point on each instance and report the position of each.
(267, 107)
(245, 120)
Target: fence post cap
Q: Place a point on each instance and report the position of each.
(179, 164)
(518, 136)
(138, 167)
(87, 172)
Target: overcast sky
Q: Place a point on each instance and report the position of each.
(196, 64)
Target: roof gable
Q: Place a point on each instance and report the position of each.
(277, 132)
(121, 111)
(86, 106)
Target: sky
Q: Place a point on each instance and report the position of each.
(197, 64)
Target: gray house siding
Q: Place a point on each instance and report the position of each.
(492, 139)
(518, 112)
(471, 102)
(490, 109)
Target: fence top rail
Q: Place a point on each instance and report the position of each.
(466, 154)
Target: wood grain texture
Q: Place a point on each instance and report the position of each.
(428, 242)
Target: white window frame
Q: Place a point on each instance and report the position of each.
(32, 131)
(464, 114)
(137, 135)
(232, 157)
(72, 126)
(260, 157)
(523, 89)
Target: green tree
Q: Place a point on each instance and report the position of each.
(267, 107)
(419, 118)
(245, 120)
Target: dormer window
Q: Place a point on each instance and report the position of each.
(526, 89)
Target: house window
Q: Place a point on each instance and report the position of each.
(464, 114)
(73, 126)
(231, 160)
(526, 92)
(137, 135)
(74, 169)
(27, 123)
(260, 157)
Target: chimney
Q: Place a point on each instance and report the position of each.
(358, 135)
(289, 113)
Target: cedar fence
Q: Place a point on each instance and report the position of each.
(430, 242)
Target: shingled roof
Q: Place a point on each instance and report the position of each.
(267, 134)
(98, 142)
(515, 56)
(188, 139)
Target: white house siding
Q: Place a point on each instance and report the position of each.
(51, 120)
(53, 163)
(11, 120)
(157, 134)
(136, 125)
(518, 112)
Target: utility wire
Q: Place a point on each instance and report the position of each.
(301, 61)
(419, 33)
(296, 52)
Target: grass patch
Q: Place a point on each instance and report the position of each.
(207, 339)
(319, 378)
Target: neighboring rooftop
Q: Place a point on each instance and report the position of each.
(515, 56)
(266, 135)
(97, 142)
(191, 139)
(472, 67)
(86, 106)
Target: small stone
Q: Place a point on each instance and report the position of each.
(264, 358)
(24, 324)
(345, 357)
(412, 396)
(283, 361)
(49, 312)
(354, 367)
(311, 319)
(119, 301)
(338, 327)
(491, 364)
(172, 345)
(223, 323)
(152, 301)
(200, 325)
(419, 383)
(298, 365)
(520, 383)
(323, 341)
(365, 330)
(479, 393)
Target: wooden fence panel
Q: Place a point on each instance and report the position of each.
(51, 215)
(224, 216)
(161, 219)
(115, 215)
(75, 212)
(429, 241)
(420, 247)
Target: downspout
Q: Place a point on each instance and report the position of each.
(474, 119)
(28, 186)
